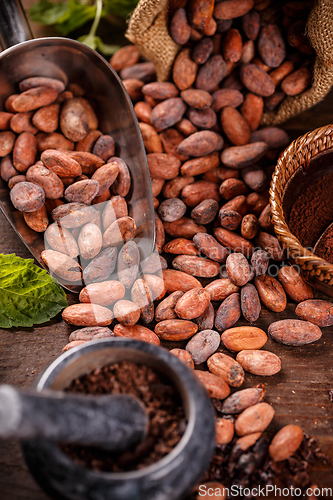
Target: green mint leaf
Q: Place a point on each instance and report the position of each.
(96, 43)
(44, 12)
(28, 294)
(120, 7)
(77, 15)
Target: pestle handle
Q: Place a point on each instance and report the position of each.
(113, 422)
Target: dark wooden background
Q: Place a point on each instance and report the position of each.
(299, 393)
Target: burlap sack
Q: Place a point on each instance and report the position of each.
(148, 29)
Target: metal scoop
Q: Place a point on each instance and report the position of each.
(74, 62)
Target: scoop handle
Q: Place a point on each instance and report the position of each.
(112, 422)
(14, 26)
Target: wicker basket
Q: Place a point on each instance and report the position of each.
(317, 271)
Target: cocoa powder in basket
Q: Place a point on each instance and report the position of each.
(312, 213)
(163, 404)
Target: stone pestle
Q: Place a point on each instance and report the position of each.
(112, 422)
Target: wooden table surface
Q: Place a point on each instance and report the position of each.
(299, 393)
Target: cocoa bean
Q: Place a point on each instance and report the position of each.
(205, 212)
(90, 241)
(252, 110)
(232, 8)
(203, 345)
(137, 332)
(156, 285)
(240, 400)
(115, 208)
(120, 231)
(238, 204)
(166, 309)
(206, 320)
(243, 337)
(173, 188)
(126, 312)
(271, 46)
(160, 90)
(52, 186)
(294, 285)
(151, 139)
(179, 281)
(104, 293)
(192, 304)
(180, 30)
(21, 122)
(162, 165)
(125, 56)
(226, 97)
(143, 297)
(319, 312)
(230, 188)
(227, 368)
(235, 126)
(285, 442)
(102, 266)
(294, 332)
(25, 151)
(260, 262)
(208, 245)
(184, 70)
(201, 143)
(87, 315)
(60, 163)
(250, 303)
(90, 333)
(175, 329)
(38, 221)
(167, 113)
(255, 178)
(198, 99)
(224, 431)
(249, 226)
(73, 215)
(181, 246)
(184, 356)
(254, 419)
(128, 263)
(259, 362)
(196, 266)
(106, 176)
(34, 98)
(202, 50)
(172, 209)
(214, 385)
(271, 293)
(228, 313)
(296, 82)
(27, 197)
(82, 191)
(183, 228)
(61, 240)
(219, 289)
(243, 156)
(274, 137)
(202, 118)
(256, 80)
(229, 219)
(62, 265)
(211, 73)
(233, 241)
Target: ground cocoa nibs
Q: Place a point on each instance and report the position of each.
(163, 405)
(312, 212)
(253, 467)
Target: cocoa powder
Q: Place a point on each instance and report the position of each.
(312, 213)
(167, 421)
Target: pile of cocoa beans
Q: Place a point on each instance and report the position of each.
(59, 166)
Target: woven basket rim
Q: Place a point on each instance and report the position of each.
(297, 154)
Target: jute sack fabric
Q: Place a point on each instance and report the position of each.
(148, 29)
